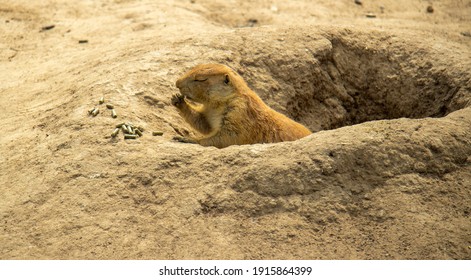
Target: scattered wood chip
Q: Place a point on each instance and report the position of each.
(370, 15)
(466, 34)
(47, 27)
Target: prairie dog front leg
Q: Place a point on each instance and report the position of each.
(191, 115)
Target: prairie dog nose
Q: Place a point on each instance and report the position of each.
(178, 84)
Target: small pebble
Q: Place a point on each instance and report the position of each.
(109, 106)
(125, 128)
(113, 114)
(102, 100)
(252, 22)
(130, 129)
(130, 136)
(183, 140)
(370, 15)
(157, 133)
(95, 112)
(83, 41)
(115, 132)
(47, 27)
(358, 2)
(429, 9)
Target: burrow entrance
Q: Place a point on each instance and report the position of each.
(352, 84)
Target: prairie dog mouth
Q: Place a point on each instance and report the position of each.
(190, 98)
(186, 93)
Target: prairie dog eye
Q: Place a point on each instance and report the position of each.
(226, 80)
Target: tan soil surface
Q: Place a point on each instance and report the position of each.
(386, 175)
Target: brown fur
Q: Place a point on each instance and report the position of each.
(217, 102)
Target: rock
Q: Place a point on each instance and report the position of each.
(466, 34)
(47, 27)
(370, 15)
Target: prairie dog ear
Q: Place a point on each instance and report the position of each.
(226, 79)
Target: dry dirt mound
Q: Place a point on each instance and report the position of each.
(386, 175)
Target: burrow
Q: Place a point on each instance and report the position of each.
(327, 84)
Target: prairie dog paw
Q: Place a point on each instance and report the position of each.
(177, 99)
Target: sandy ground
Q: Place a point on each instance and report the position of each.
(385, 86)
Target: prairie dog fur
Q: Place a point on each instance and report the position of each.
(217, 102)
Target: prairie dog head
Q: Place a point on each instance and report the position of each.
(208, 83)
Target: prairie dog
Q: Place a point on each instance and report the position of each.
(217, 102)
